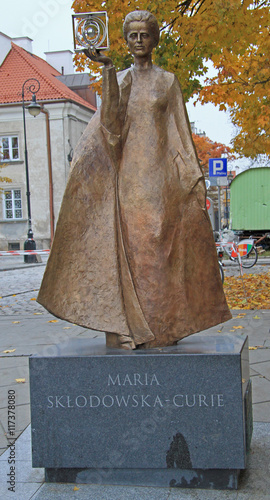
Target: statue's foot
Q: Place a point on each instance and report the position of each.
(119, 341)
(156, 344)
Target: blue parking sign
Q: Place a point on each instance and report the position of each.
(217, 167)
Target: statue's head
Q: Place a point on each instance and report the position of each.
(146, 17)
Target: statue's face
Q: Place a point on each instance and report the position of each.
(140, 39)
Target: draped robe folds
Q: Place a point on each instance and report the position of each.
(134, 254)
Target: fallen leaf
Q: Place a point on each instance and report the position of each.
(243, 380)
(76, 488)
(250, 291)
(251, 348)
(36, 314)
(15, 322)
(238, 327)
(33, 299)
(20, 380)
(14, 295)
(53, 321)
(66, 327)
(8, 351)
(256, 317)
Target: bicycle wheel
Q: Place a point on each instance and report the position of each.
(250, 259)
(221, 271)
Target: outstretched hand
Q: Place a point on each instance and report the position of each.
(97, 56)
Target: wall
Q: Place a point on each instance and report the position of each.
(67, 122)
(250, 200)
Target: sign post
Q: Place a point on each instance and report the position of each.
(218, 170)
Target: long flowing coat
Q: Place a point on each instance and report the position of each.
(134, 254)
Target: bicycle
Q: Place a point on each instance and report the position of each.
(244, 252)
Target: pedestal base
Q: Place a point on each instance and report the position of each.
(203, 479)
(178, 416)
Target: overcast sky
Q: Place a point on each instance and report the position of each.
(49, 24)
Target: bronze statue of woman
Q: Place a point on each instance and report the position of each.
(134, 254)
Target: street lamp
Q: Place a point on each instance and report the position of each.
(31, 85)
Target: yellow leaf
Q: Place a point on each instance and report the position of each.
(53, 321)
(251, 348)
(14, 295)
(37, 314)
(20, 380)
(33, 299)
(8, 351)
(238, 327)
(15, 322)
(76, 488)
(256, 317)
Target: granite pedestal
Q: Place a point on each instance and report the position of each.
(176, 416)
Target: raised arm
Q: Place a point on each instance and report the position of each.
(109, 114)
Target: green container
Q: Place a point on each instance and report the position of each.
(250, 200)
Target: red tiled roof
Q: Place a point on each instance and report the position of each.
(19, 65)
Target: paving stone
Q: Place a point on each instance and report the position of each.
(22, 394)
(23, 491)
(24, 471)
(258, 356)
(8, 376)
(260, 390)
(263, 369)
(61, 492)
(22, 417)
(261, 412)
(176, 494)
(3, 442)
(12, 362)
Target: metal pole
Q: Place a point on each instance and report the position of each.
(29, 232)
(29, 244)
(219, 210)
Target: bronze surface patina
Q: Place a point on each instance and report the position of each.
(134, 254)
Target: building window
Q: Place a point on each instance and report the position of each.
(13, 246)
(13, 204)
(9, 148)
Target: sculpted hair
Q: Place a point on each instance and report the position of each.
(142, 15)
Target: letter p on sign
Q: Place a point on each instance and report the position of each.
(217, 167)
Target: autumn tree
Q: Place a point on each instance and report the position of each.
(242, 82)
(209, 149)
(233, 34)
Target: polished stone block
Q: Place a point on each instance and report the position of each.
(170, 410)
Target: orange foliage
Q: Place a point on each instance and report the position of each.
(208, 149)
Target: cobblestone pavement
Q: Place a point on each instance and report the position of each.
(19, 283)
(19, 290)
(232, 269)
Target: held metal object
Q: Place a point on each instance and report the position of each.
(90, 29)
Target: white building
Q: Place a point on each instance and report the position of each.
(51, 137)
